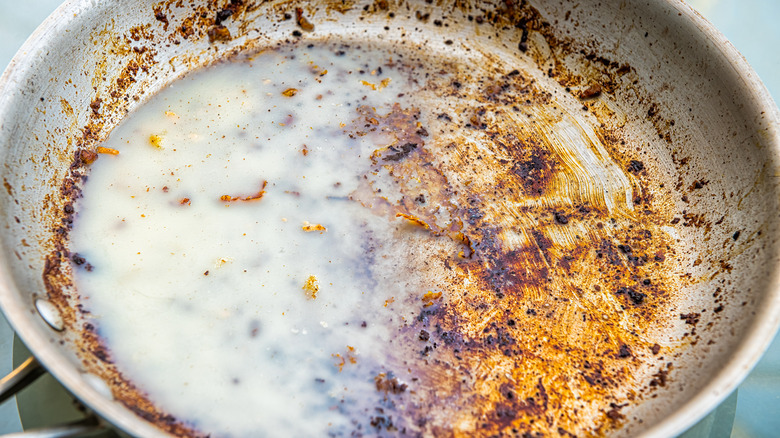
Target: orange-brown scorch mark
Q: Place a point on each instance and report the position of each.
(243, 198)
(535, 336)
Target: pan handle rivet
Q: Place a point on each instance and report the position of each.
(50, 314)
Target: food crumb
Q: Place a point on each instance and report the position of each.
(430, 297)
(302, 21)
(311, 287)
(107, 151)
(307, 227)
(387, 384)
(593, 91)
(219, 33)
(155, 141)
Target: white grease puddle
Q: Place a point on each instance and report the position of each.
(205, 295)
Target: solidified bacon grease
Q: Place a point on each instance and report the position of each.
(346, 240)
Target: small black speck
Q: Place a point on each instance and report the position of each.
(636, 166)
(522, 46)
(736, 235)
(223, 15)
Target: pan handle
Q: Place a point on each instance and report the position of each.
(18, 379)
(81, 428)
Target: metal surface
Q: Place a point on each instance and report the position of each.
(20, 377)
(80, 429)
(753, 100)
(24, 375)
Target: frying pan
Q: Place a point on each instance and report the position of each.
(686, 97)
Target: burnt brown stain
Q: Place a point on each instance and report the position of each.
(531, 164)
(592, 91)
(690, 318)
(471, 332)
(8, 187)
(160, 16)
(660, 378)
(95, 105)
(389, 384)
(219, 33)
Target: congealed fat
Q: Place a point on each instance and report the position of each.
(321, 239)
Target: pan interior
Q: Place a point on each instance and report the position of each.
(373, 239)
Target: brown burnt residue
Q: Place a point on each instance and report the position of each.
(553, 305)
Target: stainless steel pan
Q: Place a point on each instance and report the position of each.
(682, 93)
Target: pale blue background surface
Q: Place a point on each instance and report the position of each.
(753, 26)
